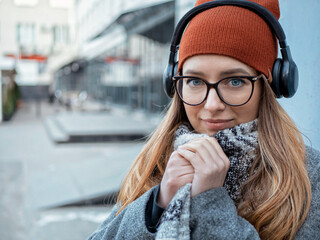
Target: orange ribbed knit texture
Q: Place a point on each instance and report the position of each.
(232, 31)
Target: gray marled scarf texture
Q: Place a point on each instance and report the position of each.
(239, 144)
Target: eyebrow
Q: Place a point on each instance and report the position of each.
(194, 72)
(233, 71)
(223, 73)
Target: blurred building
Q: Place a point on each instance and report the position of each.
(102, 50)
(123, 49)
(183, 6)
(32, 34)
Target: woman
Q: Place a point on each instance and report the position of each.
(226, 162)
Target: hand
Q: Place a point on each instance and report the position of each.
(209, 162)
(178, 173)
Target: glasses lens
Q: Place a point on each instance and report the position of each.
(191, 90)
(235, 91)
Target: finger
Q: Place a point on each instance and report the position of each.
(204, 147)
(218, 149)
(195, 146)
(209, 151)
(178, 166)
(192, 157)
(213, 148)
(187, 175)
(187, 169)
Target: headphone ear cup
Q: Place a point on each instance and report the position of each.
(276, 77)
(169, 72)
(285, 78)
(167, 81)
(167, 84)
(289, 78)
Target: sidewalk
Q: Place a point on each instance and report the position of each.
(114, 125)
(37, 174)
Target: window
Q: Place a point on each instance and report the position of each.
(26, 34)
(60, 34)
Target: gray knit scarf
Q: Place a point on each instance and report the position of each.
(239, 144)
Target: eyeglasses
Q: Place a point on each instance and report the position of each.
(233, 91)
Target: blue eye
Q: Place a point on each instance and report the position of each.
(236, 82)
(194, 82)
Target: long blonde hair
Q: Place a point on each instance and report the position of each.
(277, 196)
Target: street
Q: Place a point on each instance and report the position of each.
(38, 175)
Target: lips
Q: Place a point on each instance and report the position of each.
(217, 124)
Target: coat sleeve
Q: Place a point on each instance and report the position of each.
(214, 216)
(310, 229)
(129, 224)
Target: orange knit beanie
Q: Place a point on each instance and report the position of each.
(232, 31)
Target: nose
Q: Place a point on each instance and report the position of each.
(213, 103)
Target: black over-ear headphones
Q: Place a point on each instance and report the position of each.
(285, 75)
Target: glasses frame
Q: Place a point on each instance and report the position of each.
(252, 79)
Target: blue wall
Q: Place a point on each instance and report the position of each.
(301, 23)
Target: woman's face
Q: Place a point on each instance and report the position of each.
(213, 114)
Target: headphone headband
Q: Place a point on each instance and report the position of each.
(284, 73)
(264, 13)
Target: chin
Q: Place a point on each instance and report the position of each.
(208, 132)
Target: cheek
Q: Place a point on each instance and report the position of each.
(255, 104)
(249, 111)
(192, 114)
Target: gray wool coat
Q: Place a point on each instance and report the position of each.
(213, 215)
